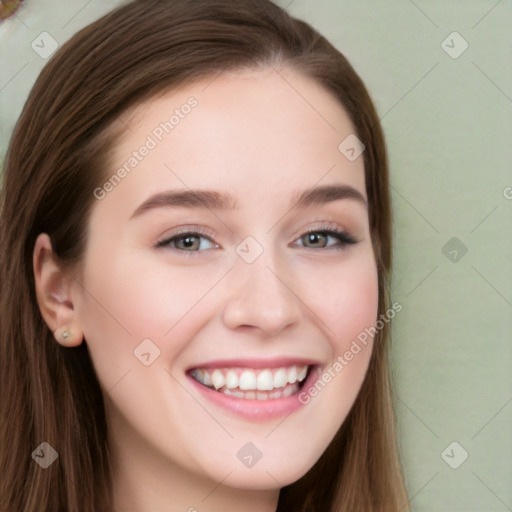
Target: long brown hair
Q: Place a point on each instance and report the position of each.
(59, 153)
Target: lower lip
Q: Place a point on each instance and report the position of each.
(257, 410)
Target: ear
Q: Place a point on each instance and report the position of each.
(54, 295)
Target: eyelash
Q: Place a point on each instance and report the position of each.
(344, 239)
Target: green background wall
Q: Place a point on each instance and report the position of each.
(447, 114)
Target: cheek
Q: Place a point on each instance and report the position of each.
(126, 301)
(343, 304)
(346, 302)
(356, 309)
(346, 299)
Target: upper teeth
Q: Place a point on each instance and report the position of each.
(264, 379)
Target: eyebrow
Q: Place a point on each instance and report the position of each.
(213, 200)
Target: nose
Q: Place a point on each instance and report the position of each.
(261, 297)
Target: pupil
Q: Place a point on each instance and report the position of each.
(314, 238)
(189, 241)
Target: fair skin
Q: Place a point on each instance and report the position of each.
(303, 298)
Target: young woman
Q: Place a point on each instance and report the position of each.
(196, 253)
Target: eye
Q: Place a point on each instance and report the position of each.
(327, 238)
(196, 241)
(189, 241)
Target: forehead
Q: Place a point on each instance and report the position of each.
(261, 132)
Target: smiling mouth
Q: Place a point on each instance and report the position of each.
(254, 384)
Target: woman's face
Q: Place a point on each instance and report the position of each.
(203, 264)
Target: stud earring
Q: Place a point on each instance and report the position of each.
(65, 334)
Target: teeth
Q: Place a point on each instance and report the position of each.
(244, 382)
(199, 375)
(251, 395)
(247, 380)
(231, 380)
(238, 394)
(218, 379)
(280, 378)
(207, 379)
(265, 381)
(288, 391)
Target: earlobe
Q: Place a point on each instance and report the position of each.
(54, 287)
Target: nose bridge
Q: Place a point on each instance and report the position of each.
(260, 295)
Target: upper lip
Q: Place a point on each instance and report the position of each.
(256, 363)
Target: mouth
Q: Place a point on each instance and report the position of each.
(254, 384)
